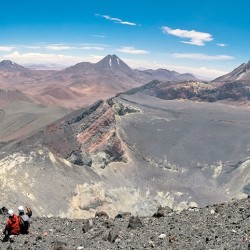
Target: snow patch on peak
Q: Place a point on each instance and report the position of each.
(118, 61)
(110, 62)
(240, 76)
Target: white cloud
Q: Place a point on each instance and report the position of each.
(54, 47)
(91, 47)
(132, 50)
(196, 37)
(57, 47)
(111, 18)
(198, 56)
(31, 46)
(117, 20)
(221, 44)
(96, 57)
(99, 36)
(44, 58)
(127, 23)
(6, 48)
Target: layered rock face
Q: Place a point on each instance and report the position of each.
(62, 158)
(86, 136)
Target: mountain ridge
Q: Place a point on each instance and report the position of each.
(241, 73)
(10, 66)
(114, 63)
(109, 62)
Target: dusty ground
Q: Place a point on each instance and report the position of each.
(20, 118)
(223, 226)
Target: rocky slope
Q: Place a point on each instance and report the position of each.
(79, 135)
(147, 147)
(9, 66)
(222, 226)
(130, 153)
(19, 116)
(9, 96)
(196, 91)
(241, 73)
(65, 151)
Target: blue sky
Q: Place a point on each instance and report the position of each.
(207, 38)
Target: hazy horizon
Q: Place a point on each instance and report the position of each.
(202, 38)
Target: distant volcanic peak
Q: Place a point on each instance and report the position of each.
(241, 73)
(111, 57)
(247, 65)
(10, 66)
(7, 63)
(108, 63)
(113, 62)
(242, 67)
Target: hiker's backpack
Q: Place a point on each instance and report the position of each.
(24, 224)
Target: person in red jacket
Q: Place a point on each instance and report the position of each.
(12, 226)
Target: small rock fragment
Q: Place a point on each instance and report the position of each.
(162, 236)
(151, 244)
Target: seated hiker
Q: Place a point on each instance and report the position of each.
(24, 219)
(12, 226)
(28, 211)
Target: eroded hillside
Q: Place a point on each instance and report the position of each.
(130, 153)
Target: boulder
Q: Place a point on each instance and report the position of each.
(162, 212)
(134, 222)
